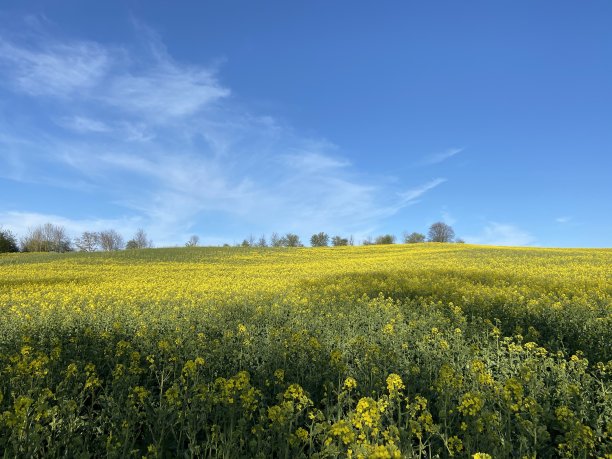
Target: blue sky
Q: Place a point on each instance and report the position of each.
(225, 119)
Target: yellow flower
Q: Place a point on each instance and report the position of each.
(394, 383)
(367, 413)
(342, 430)
(350, 384)
(471, 404)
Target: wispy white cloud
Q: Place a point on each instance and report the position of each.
(54, 69)
(437, 158)
(165, 142)
(411, 196)
(502, 234)
(564, 219)
(157, 90)
(165, 92)
(310, 162)
(83, 124)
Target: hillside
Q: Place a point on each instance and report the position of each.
(447, 349)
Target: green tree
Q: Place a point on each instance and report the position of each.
(319, 240)
(385, 239)
(131, 245)
(414, 238)
(8, 242)
(292, 240)
(338, 241)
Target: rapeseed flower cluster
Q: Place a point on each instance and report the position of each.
(381, 351)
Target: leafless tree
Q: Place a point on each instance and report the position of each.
(193, 241)
(261, 242)
(441, 232)
(88, 242)
(46, 238)
(276, 240)
(140, 241)
(110, 240)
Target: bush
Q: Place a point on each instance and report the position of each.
(414, 238)
(385, 239)
(339, 241)
(8, 242)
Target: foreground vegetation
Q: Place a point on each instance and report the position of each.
(380, 351)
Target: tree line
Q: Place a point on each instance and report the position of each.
(438, 232)
(293, 240)
(54, 238)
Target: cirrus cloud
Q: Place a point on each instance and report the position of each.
(164, 144)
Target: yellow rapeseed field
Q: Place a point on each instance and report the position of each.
(417, 350)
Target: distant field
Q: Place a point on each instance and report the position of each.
(378, 351)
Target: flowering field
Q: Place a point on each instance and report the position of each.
(422, 350)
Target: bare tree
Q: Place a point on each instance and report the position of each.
(33, 241)
(414, 238)
(58, 237)
(139, 241)
(193, 241)
(110, 240)
(88, 242)
(46, 238)
(276, 240)
(262, 241)
(441, 232)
